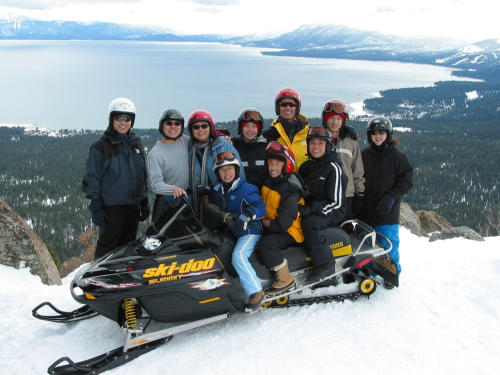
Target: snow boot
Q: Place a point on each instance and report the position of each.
(320, 273)
(283, 280)
(255, 301)
(388, 285)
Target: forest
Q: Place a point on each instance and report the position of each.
(451, 137)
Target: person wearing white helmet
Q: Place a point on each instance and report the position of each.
(115, 179)
(243, 208)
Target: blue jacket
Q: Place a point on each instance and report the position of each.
(240, 196)
(213, 149)
(116, 170)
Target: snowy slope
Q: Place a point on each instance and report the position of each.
(443, 319)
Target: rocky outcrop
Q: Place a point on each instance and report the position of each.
(436, 227)
(409, 219)
(454, 232)
(20, 246)
(432, 222)
(74, 262)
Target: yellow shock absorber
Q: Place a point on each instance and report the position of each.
(129, 307)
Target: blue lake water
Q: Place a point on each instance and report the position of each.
(68, 84)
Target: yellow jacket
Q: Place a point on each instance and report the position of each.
(298, 145)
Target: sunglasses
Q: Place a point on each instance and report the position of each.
(334, 107)
(224, 155)
(123, 118)
(288, 104)
(376, 132)
(201, 126)
(172, 123)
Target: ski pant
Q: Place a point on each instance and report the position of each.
(316, 241)
(120, 228)
(270, 247)
(242, 251)
(391, 232)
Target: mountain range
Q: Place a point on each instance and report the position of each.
(477, 60)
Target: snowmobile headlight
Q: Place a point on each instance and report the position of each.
(151, 244)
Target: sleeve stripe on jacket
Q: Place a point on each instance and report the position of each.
(337, 201)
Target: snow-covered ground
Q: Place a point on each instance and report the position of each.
(443, 319)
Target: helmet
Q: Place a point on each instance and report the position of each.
(201, 115)
(243, 118)
(323, 133)
(226, 158)
(335, 106)
(379, 123)
(170, 114)
(276, 150)
(287, 92)
(120, 105)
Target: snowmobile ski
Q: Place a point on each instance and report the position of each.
(137, 343)
(82, 313)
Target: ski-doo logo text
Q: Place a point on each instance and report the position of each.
(173, 269)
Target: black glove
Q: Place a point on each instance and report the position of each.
(144, 209)
(98, 213)
(305, 210)
(386, 203)
(204, 191)
(250, 212)
(236, 221)
(357, 204)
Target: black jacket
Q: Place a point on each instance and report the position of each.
(327, 185)
(116, 170)
(253, 158)
(386, 171)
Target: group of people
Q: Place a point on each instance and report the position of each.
(272, 188)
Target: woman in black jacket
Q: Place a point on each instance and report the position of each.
(388, 175)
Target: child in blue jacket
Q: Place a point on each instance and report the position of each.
(243, 205)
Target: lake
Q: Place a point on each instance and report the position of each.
(69, 84)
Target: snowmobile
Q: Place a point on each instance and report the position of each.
(178, 276)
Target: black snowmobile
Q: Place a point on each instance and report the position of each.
(178, 276)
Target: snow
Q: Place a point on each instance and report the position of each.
(472, 95)
(442, 319)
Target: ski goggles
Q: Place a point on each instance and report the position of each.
(276, 148)
(252, 117)
(334, 107)
(226, 155)
(123, 118)
(317, 132)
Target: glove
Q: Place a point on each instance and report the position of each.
(236, 222)
(98, 213)
(357, 204)
(386, 203)
(144, 209)
(204, 190)
(305, 210)
(250, 212)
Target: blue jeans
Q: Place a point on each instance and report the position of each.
(391, 232)
(242, 251)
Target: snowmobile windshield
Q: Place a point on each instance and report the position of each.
(179, 221)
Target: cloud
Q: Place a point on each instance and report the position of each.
(215, 2)
(48, 4)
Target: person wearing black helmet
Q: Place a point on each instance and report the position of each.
(290, 128)
(335, 117)
(251, 145)
(115, 179)
(325, 204)
(388, 176)
(168, 163)
(282, 193)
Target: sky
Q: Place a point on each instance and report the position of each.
(443, 319)
(460, 20)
